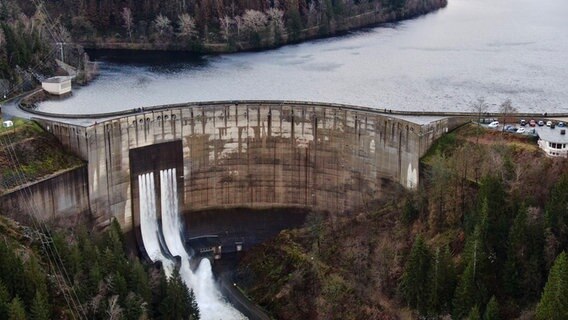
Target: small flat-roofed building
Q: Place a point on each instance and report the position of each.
(57, 85)
(554, 141)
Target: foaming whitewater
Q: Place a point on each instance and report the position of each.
(211, 303)
(148, 221)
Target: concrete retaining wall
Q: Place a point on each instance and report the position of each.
(62, 199)
(256, 154)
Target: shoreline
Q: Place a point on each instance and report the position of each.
(370, 19)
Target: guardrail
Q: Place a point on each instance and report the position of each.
(383, 111)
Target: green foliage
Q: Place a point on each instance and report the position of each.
(553, 304)
(492, 310)
(475, 281)
(40, 309)
(524, 268)
(443, 277)
(415, 279)
(99, 272)
(474, 314)
(179, 301)
(4, 301)
(294, 23)
(557, 215)
(16, 310)
(409, 212)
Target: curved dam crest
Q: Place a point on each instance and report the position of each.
(252, 154)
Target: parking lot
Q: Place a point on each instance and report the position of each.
(529, 127)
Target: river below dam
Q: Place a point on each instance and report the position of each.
(496, 49)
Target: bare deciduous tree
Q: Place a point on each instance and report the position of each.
(128, 21)
(276, 17)
(254, 21)
(162, 23)
(114, 311)
(507, 108)
(2, 38)
(39, 19)
(186, 26)
(225, 25)
(312, 14)
(479, 107)
(239, 25)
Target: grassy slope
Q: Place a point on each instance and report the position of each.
(38, 154)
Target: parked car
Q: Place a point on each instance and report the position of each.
(511, 129)
(561, 124)
(523, 122)
(540, 123)
(521, 130)
(548, 123)
(493, 124)
(532, 123)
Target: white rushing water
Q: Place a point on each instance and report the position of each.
(211, 303)
(148, 222)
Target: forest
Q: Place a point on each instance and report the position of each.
(484, 237)
(87, 275)
(34, 33)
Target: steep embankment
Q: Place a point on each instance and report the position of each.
(479, 237)
(27, 153)
(76, 274)
(225, 26)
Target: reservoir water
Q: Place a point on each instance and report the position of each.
(496, 49)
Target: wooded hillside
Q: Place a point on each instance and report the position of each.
(483, 238)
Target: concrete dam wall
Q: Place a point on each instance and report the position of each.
(253, 154)
(62, 198)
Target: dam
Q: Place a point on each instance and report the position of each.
(248, 154)
(246, 168)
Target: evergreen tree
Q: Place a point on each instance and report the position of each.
(557, 216)
(4, 301)
(16, 309)
(472, 288)
(553, 304)
(179, 302)
(409, 212)
(523, 276)
(133, 307)
(137, 280)
(492, 310)
(415, 279)
(40, 309)
(443, 277)
(474, 314)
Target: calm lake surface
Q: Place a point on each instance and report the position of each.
(496, 49)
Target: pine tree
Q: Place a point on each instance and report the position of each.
(179, 302)
(492, 310)
(474, 314)
(409, 212)
(40, 309)
(443, 277)
(16, 309)
(523, 276)
(4, 301)
(473, 284)
(557, 216)
(553, 304)
(415, 281)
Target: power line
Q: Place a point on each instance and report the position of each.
(49, 247)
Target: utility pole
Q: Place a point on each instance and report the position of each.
(60, 44)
